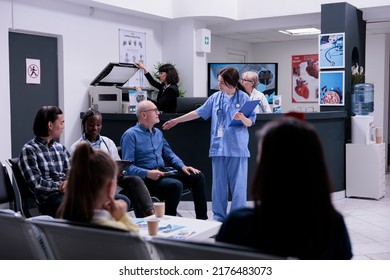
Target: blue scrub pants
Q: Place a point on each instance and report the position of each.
(232, 173)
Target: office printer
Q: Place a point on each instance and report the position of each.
(106, 93)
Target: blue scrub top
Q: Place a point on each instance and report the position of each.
(221, 109)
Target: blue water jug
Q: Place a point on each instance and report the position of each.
(363, 99)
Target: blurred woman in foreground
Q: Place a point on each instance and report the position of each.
(293, 214)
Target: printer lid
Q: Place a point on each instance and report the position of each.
(115, 74)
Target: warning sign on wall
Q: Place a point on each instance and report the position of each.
(33, 71)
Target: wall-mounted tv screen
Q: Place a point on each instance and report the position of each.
(268, 76)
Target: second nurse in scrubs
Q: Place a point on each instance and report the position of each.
(228, 144)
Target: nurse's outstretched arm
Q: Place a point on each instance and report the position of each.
(185, 118)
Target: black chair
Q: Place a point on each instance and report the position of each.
(27, 196)
(187, 104)
(19, 240)
(168, 249)
(184, 193)
(7, 193)
(84, 241)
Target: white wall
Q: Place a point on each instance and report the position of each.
(220, 47)
(377, 72)
(199, 66)
(178, 46)
(5, 111)
(89, 43)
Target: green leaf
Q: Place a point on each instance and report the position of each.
(158, 64)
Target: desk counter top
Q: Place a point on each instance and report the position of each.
(265, 117)
(191, 140)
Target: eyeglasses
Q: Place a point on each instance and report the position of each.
(149, 110)
(245, 80)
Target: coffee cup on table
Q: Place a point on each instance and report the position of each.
(152, 226)
(159, 209)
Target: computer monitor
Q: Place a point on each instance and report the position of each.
(268, 76)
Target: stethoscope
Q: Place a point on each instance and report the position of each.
(221, 114)
(100, 137)
(235, 96)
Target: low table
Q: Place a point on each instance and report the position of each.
(174, 227)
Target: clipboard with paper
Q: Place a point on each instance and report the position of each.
(246, 109)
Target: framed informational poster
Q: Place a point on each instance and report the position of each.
(331, 50)
(132, 48)
(304, 78)
(331, 88)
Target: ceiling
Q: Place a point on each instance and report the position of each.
(266, 29)
(273, 35)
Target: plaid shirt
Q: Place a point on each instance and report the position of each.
(44, 166)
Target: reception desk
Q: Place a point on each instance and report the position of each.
(191, 140)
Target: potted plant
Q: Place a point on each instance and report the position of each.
(362, 93)
(357, 74)
(158, 64)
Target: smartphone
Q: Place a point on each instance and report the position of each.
(172, 172)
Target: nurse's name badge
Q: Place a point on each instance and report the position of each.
(220, 131)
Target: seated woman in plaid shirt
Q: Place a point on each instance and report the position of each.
(44, 162)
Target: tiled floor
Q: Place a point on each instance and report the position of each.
(368, 223)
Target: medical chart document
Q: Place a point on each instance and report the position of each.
(246, 109)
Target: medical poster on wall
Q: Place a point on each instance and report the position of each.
(304, 78)
(331, 50)
(131, 50)
(331, 88)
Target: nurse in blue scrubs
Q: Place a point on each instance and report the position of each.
(229, 144)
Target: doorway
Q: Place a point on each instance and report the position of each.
(26, 99)
(235, 56)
